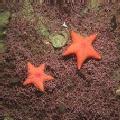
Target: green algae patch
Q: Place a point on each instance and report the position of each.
(27, 10)
(28, 13)
(59, 40)
(93, 4)
(41, 28)
(2, 34)
(2, 47)
(4, 18)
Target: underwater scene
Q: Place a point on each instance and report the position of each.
(59, 59)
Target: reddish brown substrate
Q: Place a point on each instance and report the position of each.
(87, 94)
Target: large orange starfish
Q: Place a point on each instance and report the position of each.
(82, 48)
(37, 76)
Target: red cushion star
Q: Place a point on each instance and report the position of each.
(82, 48)
(37, 76)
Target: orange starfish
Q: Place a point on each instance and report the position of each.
(37, 76)
(82, 48)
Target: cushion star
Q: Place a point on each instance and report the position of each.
(82, 48)
(37, 76)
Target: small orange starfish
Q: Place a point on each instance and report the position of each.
(37, 76)
(82, 48)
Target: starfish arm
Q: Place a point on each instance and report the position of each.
(91, 38)
(75, 36)
(47, 77)
(70, 50)
(39, 85)
(27, 81)
(31, 68)
(80, 59)
(94, 54)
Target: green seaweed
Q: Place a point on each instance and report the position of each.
(4, 18)
(58, 40)
(94, 4)
(41, 28)
(27, 11)
(2, 47)
(2, 34)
